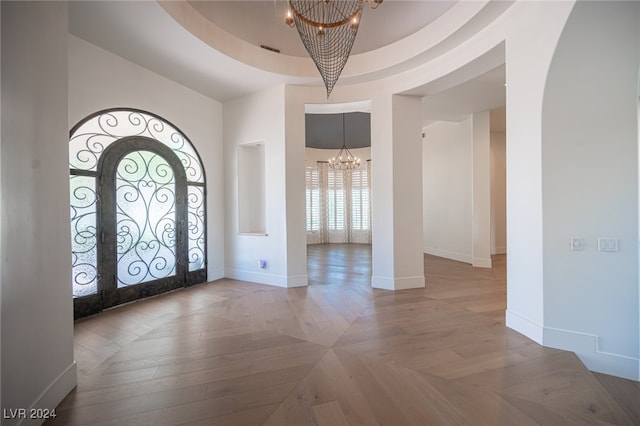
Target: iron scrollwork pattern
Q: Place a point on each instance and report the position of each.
(145, 218)
(196, 227)
(88, 140)
(84, 235)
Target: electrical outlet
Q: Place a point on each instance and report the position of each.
(577, 244)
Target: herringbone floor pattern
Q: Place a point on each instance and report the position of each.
(334, 353)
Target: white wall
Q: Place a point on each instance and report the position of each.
(38, 369)
(260, 117)
(590, 187)
(251, 189)
(528, 53)
(99, 79)
(447, 183)
(294, 130)
(1, 209)
(498, 194)
(481, 207)
(447, 186)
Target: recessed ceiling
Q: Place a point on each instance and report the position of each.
(262, 22)
(144, 33)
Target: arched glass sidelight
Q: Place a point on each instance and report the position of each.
(138, 216)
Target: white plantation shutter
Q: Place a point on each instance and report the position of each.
(313, 199)
(338, 201)
(360, 200)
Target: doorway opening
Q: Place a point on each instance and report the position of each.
(338, 202)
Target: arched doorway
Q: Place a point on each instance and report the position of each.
(137, 191)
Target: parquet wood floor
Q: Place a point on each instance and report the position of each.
(334, 353)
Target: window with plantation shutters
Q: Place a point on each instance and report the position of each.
(338, 204)
(335, 199)
(313, 199)
(360, 200)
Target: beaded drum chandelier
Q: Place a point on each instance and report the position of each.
(328, 29)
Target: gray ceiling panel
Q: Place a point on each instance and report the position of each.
(324, 131)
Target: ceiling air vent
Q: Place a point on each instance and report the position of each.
(272, 49)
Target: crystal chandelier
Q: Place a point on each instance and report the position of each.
(344, 160)
(328, 29)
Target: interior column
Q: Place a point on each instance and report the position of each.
(396, 154)
(481, 205)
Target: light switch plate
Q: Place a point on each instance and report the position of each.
(607, 244)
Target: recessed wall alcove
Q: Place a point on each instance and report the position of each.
(251, 189)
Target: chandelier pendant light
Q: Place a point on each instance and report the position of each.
(344, 160)
(328, 29)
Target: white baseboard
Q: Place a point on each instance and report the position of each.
(499, 250)
(584, 345)
(297, 281)
(53, 395)
(479, 262)
(269, 279)
(460, 257)
(214, 274)
(587, 349)
(391, 283)
(524, 326)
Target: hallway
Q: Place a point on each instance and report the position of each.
(334, 353)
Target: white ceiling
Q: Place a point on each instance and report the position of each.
(262, 22)
(485, 92)
(144, 33)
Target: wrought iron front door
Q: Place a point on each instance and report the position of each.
(142, 192)
(137, 209)
(142, 245)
